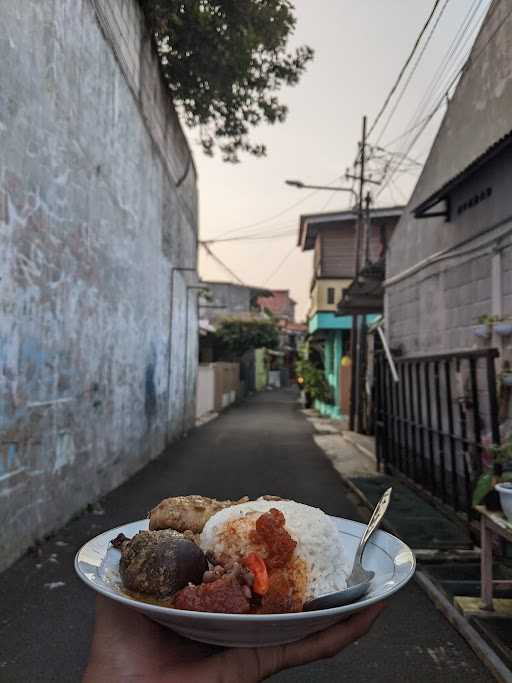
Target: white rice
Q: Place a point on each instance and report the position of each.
(318, 542)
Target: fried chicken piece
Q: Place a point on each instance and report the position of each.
(187, 513)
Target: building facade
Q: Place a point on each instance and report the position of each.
(449, 266)
(228, 299)
(332, 238)
(98, 218)
(447, 270)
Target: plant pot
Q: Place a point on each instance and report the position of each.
(507, 379)
(482, 331)
(505, 494)
(503, 329)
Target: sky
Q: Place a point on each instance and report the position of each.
(360, 47)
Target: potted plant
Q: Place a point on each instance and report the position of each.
(484, 327)
(504, 490)
(313, 382)
(494, 474)
(503, 326)
(506, 377)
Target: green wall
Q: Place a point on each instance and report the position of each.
(260, 369)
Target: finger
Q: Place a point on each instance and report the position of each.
(330, 642)
(114, 618)
(129, 628)
(327, 643)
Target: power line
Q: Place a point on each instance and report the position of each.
(448, 56)
(404, 68)
(221, 263)
(466, 67)
(281, 264)
(454, 49)
(252, 238)
(414, 69)
(276, 215)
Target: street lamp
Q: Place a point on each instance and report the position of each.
(301, 185)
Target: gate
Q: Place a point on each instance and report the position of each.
(434, 425)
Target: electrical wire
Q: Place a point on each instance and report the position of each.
(404, 67)
(221, 263)
(269, 219)
(281, 264)
(447, 58)
(440, 89)
(413, 70)
(467, 66)
(252, 238)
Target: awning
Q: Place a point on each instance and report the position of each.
(442, 195)
(365, 296)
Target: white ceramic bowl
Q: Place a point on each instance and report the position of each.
(505, 491)
(393, 562)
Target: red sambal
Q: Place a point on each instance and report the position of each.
(271, 533)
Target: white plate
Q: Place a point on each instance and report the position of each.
(393, 562)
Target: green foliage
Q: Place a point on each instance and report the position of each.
(503, 453)
(225, 60)
(236, 336)
(500, 455)
(487, 319)
(315, 382)
(483, 486)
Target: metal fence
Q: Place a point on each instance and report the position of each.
(436, 423)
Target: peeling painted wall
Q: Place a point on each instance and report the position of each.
(98, 220)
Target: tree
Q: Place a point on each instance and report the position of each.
(236, 336)
(225, 60)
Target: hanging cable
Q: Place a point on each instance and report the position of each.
(449, 56)
(404, 67)
(413, 70)
(281, 264)
(220, 262)
(277, 215)
(467, 66)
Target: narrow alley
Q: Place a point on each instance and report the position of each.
(263, 445)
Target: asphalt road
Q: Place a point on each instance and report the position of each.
(262, 446)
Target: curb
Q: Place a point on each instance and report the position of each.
(365, 451)
(485, 653)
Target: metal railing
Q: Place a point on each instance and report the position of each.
(436, 422)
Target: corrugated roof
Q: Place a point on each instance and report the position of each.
(473, 167)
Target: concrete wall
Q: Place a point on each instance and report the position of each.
(433, 307)
(98, 211)
(225, 299)
(205, 394)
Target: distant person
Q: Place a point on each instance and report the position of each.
(129, 647)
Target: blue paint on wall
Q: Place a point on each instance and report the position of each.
(150, 402)
(8, 459)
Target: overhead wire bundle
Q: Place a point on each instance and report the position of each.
(439, 88)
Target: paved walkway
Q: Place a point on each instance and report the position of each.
(264, 445)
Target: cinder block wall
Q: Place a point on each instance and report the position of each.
(98, 219)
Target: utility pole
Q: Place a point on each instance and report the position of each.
(355, 341)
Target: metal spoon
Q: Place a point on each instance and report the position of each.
(359, 580)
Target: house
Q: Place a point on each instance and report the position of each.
(332, 238)
(281, 307)
(449, 264)
(227, 299)
(279, 304)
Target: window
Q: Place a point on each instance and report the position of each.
(330, 295)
